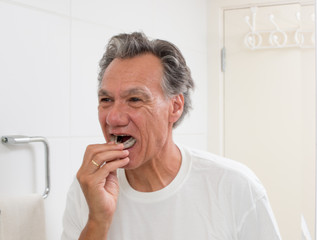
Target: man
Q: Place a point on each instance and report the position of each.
(166, 191)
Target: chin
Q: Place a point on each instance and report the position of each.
(133, 164)
(128, 167)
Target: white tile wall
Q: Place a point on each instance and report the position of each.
(77, 150)
(197, 141)
(196, 121)
(55, 6)
(179, 22)
(61, 178)
(22, 178)
(87, 46)
(122, 14)
(49, 53)
(34, 72)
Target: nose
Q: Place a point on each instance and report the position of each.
(117, 116)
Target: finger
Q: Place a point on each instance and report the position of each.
(111, 167)
(92, 150)
(96, 148)
(104, 157)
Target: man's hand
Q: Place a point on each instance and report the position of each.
(99, 183)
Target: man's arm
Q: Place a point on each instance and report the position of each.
(259, 223)
(99, 183)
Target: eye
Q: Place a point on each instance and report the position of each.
(135, 99)
(105, 99)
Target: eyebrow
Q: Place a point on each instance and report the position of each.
(103, 92)
(137, 91)
(132, 91)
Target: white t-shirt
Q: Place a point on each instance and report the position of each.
(211, 198)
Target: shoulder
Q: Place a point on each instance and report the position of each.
(232, 176)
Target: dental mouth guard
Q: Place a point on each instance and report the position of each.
(127, 141)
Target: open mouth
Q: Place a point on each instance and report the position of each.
(128, 141)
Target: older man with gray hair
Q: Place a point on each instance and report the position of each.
(167, 191)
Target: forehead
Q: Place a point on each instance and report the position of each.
(141, 71)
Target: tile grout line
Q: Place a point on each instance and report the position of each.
(70, 139)
(70, 69)
(31, 7)
(56, 13)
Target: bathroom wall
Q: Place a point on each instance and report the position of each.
(49, 53)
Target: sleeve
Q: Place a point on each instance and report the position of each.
(259, 222)
(74, 215)
(250, 207)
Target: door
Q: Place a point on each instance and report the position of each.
(269, 105)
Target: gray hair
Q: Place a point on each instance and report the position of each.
(176, 74)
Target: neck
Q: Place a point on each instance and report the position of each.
(157, 173)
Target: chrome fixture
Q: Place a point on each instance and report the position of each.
(18, 139)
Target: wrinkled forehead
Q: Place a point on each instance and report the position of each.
(135, 91)
(139, 74)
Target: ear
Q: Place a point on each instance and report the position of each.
(177, 107)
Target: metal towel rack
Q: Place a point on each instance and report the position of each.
(18, 139)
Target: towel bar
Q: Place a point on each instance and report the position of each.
(18, 139)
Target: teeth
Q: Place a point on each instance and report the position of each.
(113, 138)
(127, 144)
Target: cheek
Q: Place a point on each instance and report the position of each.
(157, 122)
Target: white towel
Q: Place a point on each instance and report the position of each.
(22, 218)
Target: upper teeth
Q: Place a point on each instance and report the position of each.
(127, 144)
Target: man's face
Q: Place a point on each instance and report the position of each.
(132, 106)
